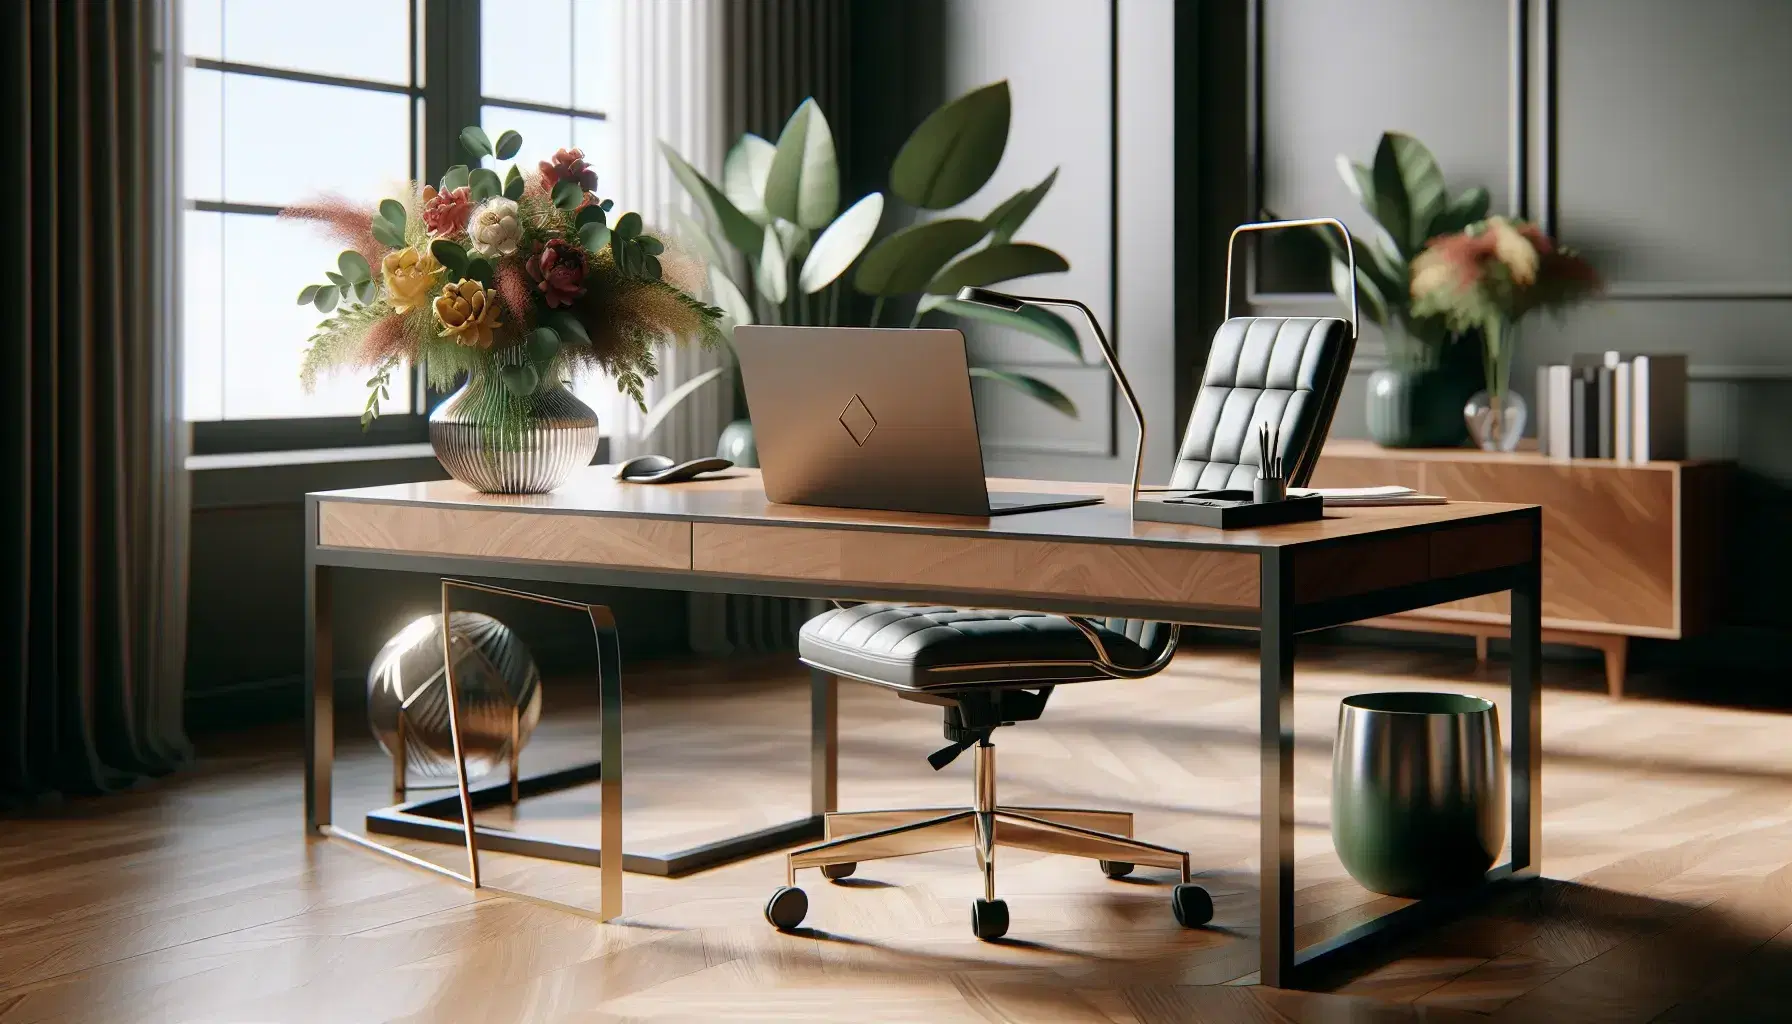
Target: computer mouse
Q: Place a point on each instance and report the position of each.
(658, 469)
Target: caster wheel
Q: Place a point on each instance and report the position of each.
(989, 919)
(787, 907)
(1116, 868)
(834, 872)
(1192, 905)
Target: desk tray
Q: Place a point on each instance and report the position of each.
(1228, 515)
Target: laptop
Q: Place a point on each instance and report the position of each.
(872, 418)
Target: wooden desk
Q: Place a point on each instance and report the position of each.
(723, 536)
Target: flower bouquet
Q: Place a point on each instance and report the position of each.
(1490, 276)
(513, 283)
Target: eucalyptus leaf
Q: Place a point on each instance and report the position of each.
(803, 185)
(336, 279)
(907, 260)
(483, 184)
(307, 294)
(771, 277)
(651, 245)
(514, 184)
(628, 225)
(568, 195)
(520, 379)
(365, 292)
(449, 255)
(387, 234)
(673, 399)
(353, 266)
(1032, 387)
(594, 237)
(393, 210)
(541, 344)
(740, 231)
(507, 145)
(744, 173)
(1006, 219)
(996, 264)
(591, 213)
(474, 140)
(953, 153)
(650, 267)
(325, 299)
(455, 177)
(729, 298)
(1041, 323)
(569, 327)
(841, 243)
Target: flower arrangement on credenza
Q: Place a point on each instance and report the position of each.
(509, 284)
(1489, 277)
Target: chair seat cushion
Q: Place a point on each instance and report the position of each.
(926, 647)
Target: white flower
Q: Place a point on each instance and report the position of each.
(495, 229)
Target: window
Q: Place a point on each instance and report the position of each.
(286, 102)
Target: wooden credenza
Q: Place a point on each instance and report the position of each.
(1629, 549)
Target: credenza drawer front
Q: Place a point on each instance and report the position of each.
(502, 533)
(1608, 535)
(1212, 578)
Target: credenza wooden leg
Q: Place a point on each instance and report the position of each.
(1480, 650)
(1617, 658)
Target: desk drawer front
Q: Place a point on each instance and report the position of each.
(1213, 578)
(494, 533)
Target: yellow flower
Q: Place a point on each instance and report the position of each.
(410, 275)
(1514, 250)
(468, 312)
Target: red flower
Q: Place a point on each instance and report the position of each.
(446, 213)
(558, 270)
(568, 165)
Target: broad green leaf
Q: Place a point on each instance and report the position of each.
(542, 344)
(325, 299)
(953, 153)
(455, 177)
(387, 234)
(520, 380)
(772, 277)
(569, 327)
(729, 298)
(663, 408)
(743, 176)
(514, 184)
(1360, 182)
(568, 195)
(480, 269)
(723, 215)
(1006, 219)
(594, 237)
(1409, 190)
(793, 239)
(353, 266)
(393, 210)
(1459, 213)
(1370, 298)
(474, 140)
(996, 264)
(650, 267)
(841, 243)
(308, 294)
(628, 225)
(1041, 323)
(1032, 387)
(697, 237)
(908, 259)
(803, 184)
(449, 255)
(483, 184)
(507, 145)
(365, 292)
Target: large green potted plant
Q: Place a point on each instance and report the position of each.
(780, 247)
(1416, 400)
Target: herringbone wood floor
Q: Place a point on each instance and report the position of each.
(1668, 845)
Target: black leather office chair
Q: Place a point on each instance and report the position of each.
(989, 669)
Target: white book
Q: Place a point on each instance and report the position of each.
(1561, 411)
(1621, 415)
(1541, 405)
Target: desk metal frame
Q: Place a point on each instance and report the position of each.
(1279, 620)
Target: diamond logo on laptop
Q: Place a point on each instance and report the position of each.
(858, 421)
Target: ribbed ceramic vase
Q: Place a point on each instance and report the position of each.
(1418, 791)
(494, 442)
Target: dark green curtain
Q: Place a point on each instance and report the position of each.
(92, 482)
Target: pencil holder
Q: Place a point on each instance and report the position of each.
(1269, 489)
